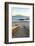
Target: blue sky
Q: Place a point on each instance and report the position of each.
(21, 11)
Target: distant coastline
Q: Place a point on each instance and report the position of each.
(19, 17)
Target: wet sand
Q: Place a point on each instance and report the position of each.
(23, 30)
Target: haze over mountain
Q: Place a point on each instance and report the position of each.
(19, 17)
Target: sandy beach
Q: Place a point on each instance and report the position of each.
(22, 31)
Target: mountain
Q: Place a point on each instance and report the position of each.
(19, 17)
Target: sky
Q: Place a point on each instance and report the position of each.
(21, 11)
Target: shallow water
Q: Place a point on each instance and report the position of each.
(23, 31)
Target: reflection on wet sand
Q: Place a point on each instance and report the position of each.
(20, 29)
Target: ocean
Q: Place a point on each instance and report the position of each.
(17, 18)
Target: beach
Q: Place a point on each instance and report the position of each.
(22, 31)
